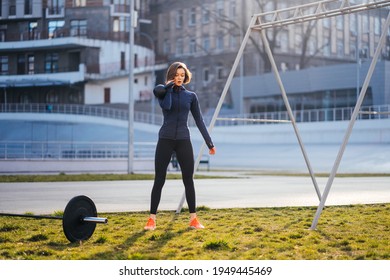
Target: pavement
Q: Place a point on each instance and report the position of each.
(241, 190)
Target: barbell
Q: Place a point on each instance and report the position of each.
(78, 221)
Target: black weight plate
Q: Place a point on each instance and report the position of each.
(72, 222)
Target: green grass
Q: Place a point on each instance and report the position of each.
(359, 232)
(88, 177)
(62, 177)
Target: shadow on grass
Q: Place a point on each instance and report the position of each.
(156, 241)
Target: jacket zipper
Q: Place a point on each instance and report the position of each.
(178, 112)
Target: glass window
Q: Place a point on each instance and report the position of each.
(206, 74)
(179, 46)
(28, 7)
(205, 14)
(220, 41)
(166, 47)
(179, 18)
(54, 28)
(32, 30)
(79, 3)
(206, 43)
(220, 8)
(4, 65)
(31, 64)
(192, 17)
(78, 28)
(51, 63)
(193, 46)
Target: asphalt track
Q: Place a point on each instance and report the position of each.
(241, 191)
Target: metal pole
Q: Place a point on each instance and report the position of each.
(132, 23)
(287, 104)
(220, 102)
(351, 123)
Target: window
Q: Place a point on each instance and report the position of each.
(123, 61)
(120, 24)
(340, 48)
(166, 47)
(179, 19)
(340, 22)
(21, 66)
(365, 24)
(135, 60)
(205, 14)
(54, 28)
(12, 8)
(377, 26)
(79, 3)
(32, 30)
(107, 95)
(52, 97)
(193, 46)
(326, 47)
(206, 74)
(51, 63)
(220, 8)
(2, 34)
(3, 65)
(220, 73)
(232, 41)
(28, 7)
(283, 41)
(233, 12)
(179, 46)
(312, 45)
(55, 6)
(206, 43)
(78, 27)
(31, 64)
(220, 41)
(326, 22)
(192, 17)
(353, 23)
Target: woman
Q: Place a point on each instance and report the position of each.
(174, 136)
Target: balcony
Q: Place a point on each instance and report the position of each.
(63, 76)
(55, 12)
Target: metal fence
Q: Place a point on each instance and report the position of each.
(314, 115)
(42, 150)
(45, 150)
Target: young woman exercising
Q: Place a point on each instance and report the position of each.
(174, 136)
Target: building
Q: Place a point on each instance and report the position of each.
(206, 35)
(71, 51)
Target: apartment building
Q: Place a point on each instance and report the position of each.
(206, 35)
(71, 51)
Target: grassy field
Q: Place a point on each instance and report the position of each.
(359, 232)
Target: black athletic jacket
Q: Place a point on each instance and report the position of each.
(176, 105)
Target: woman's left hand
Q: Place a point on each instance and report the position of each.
(212, 151)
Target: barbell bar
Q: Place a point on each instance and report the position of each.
(78, 221)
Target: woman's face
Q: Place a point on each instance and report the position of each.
(179, 77)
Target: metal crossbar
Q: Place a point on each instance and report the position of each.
(253, 120)
(312, 11)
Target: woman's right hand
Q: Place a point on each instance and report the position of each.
(212, 151)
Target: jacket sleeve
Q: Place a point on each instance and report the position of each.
(196, 113)
(166, 102)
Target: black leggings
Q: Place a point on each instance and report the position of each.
(185, 158)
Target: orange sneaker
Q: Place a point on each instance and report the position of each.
(194, 223)
(150, 225)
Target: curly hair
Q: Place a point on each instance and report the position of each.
(171, 72)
